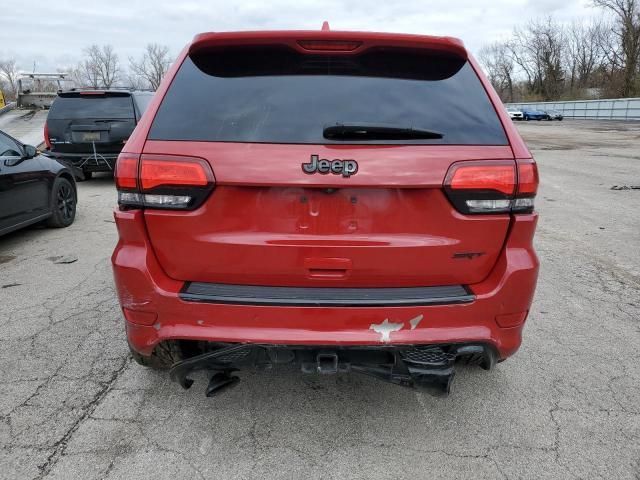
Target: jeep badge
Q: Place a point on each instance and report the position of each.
(346, 168)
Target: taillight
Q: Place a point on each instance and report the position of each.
(127, 171)
(162, 181)
(167, 171)
(46, 136)
(500, 186)
(528, 181)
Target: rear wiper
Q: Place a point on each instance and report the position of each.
(367, 131)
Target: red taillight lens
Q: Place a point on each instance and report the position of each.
(329, 45)
(127, 171)
(46, 136)
(162, 181)
(528, 179)
(161, 171)
(499, 177)
(499, 186)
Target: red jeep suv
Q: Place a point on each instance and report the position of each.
(343, 201)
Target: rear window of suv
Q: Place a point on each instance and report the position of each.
(277, 95)
(92, 106)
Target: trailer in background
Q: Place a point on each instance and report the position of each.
(39, 90)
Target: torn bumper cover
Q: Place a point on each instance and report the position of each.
(427, 367)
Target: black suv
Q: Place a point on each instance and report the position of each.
(88, 128)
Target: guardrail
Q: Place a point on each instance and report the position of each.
(7, 107)
(606, 109)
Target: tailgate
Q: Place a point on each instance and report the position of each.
(268, 223)
(82, 135)
(258, 106)
(88, 121)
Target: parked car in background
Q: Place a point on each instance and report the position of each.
(279, 205)
(33, 188)
(554, 115)
(88, 128)
(514, 113)
(534, 114)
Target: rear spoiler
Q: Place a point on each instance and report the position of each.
(333, 42)
(98, 93)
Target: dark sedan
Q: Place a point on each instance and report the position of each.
(33, 188)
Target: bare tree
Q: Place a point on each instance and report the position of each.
(584, 53)
(627, 31)
(100, 67)
(499, 65)
(135, 82)
(547, 60)
(9, 73)
(538, 50)
(153, 65)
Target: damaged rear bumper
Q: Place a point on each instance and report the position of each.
(426, 367)
(410, 337)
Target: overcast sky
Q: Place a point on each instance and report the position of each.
(52, 33)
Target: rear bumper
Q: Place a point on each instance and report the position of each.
(324, 296)
(88, 162)
(155, 311)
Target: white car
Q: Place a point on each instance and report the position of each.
(515, 113)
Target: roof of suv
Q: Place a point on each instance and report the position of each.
(94, 106)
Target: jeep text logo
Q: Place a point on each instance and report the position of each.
(346, 168)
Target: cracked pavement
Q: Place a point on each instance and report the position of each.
(567, 405)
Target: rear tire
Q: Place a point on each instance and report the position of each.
(162, 358)
(87, 175)
(63, 204)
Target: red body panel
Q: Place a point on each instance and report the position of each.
(262, 200)
(414, 248)
(267, 223)
(259, 164)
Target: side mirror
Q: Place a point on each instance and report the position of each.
(30, 151)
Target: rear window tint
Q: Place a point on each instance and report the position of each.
(276, 95)
(92, 107)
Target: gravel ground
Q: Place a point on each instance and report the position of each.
(73, 405)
